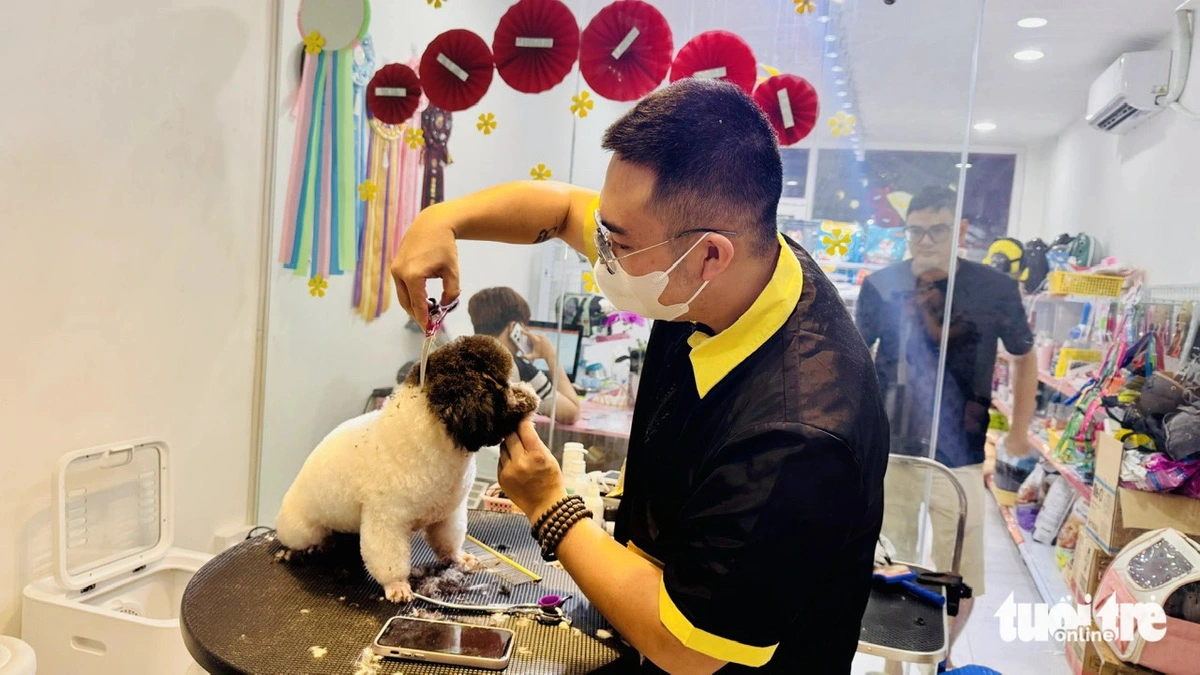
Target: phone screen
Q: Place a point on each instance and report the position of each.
(445, 638)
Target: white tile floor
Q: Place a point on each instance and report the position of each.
(980, 643)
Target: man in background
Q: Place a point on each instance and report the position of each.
(902, 309)
(496, 312)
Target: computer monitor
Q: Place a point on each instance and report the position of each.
(566, 340)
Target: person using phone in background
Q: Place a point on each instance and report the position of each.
(502, 313)
(902, 308)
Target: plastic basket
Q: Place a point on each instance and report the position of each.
(1069, 355)
(1074, 283)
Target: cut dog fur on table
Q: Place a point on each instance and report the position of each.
(409, 465)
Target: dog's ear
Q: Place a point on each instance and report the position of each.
(519, 401)
(466, 383)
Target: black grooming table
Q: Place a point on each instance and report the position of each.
(902, 628)
(247, 611)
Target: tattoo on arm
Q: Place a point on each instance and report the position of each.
(547, 235)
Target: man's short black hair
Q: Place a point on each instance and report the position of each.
(934, 199)
(714, 154)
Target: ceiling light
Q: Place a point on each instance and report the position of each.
(842, 94)
(830, 38)
(1028, 55)
(840, 81)
(824, 18)
(832, 55)
(959, 166)
(1032, 22)
(985, 126)
(792, 183)
(847, 105)
(837, 69)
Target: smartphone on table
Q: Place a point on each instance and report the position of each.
(455, 644)
(521, 339)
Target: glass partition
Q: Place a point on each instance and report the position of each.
(905, 192)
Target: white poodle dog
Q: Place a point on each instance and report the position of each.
(409, 465)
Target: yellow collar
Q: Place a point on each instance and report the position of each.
(713, 357)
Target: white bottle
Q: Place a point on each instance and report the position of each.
(593, 501)
(574, 468)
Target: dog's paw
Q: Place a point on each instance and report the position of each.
(398, 591)
(284, 554)
(467, 562)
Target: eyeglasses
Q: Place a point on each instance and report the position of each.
(604, 245)
(937, 233)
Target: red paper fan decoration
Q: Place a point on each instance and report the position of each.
(717, 54)
(536, 45)
(456, 70)
(790, 102)
(625, 52)
(393, 94)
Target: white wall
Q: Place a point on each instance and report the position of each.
(1134, 193)
(131, 169)
(322, 361)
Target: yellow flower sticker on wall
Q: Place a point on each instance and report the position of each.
(842, 124)
(805, 6)
(540, 172)
(589, 283)
(314, 42)
(437, 4)
(836, 243)
(367, 190)
(487, 123)
(317, 286)
(415, 138)
(771, 72)
(581, 104)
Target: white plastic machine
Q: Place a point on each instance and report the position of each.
(112, 606)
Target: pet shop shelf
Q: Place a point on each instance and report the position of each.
(1057, 384)
(1091, 285)
(1038, 558)
(1046, 450)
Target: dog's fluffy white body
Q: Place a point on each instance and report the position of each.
(409, 466)
(358, 480)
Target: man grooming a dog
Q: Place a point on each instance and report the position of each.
(754, 481)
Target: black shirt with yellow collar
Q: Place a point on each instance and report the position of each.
(755, 478)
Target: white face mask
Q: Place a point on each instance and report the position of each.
(640, 295)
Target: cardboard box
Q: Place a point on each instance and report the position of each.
(1116, 516)
(1087, 566)
(1097, 658)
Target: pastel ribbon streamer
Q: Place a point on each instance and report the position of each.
(320, 229)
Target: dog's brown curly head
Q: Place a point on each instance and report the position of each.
(466, 383)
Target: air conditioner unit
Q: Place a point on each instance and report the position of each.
(1131, 90)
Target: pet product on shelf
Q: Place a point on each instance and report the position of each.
(1154, 569)
(112, 605)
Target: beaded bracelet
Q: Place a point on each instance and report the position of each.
(533, 531)
(561, 518)
(550, 545)
(555, 524)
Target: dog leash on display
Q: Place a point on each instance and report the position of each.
(437, 316)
